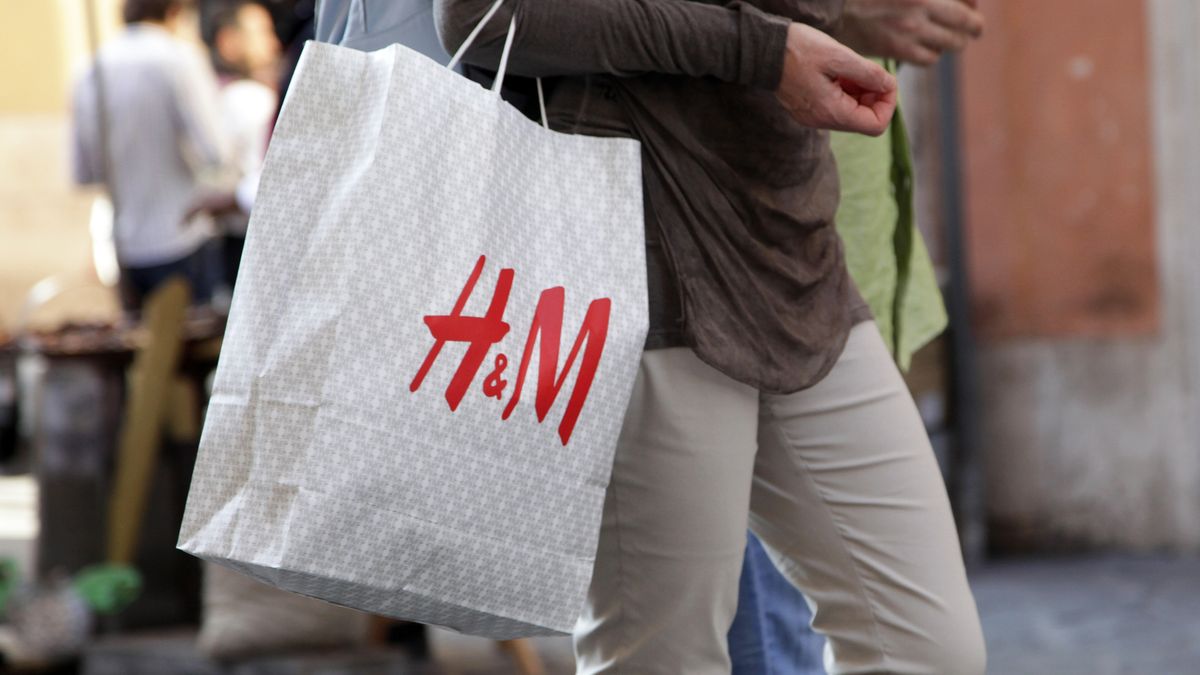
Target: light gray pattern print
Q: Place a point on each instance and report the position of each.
(319, 471)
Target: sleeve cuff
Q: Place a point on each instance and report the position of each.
(763, 42)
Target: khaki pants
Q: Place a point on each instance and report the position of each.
(840, 483)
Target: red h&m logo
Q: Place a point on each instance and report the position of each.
(481, 332)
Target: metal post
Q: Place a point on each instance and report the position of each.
(966, 471)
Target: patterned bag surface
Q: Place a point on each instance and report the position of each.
(435, 332)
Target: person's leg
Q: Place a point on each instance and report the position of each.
(770, 634)
(665, 585)
(131, 289)
(140, 282)
(747, 643)
(203, 270)
(850, 504)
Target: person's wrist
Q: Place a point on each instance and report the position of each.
(771, 54)
(795, 46)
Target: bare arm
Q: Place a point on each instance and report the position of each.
(195, 93)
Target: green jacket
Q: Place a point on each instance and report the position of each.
(884, 250)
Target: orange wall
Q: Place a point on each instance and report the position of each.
(1060, 192)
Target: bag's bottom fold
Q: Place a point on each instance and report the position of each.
(396, 604)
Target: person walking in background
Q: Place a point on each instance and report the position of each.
(146, 126)
(888, 261)
(245, 51)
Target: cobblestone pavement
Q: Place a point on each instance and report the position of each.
(1105, 615)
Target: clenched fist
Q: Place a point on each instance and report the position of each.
(917, 31)
(826, 85)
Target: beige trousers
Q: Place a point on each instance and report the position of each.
(840, 483)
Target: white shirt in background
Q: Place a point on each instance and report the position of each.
(247, 110)
(164, 136)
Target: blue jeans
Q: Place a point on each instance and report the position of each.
(770, 634)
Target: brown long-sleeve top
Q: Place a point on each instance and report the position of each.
(744, 264)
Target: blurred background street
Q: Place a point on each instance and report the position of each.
(1057, 172)
(1072, 615)
(1104, 614)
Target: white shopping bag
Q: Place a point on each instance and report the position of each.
(437, 325)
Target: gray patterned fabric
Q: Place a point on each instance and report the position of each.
(320, 471)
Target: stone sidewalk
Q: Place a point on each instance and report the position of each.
(1094, 615)
(1091, 615)
(1101, 615)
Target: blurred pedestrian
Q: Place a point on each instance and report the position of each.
(245, 50)
(146, 126)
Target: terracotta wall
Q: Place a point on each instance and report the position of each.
(1083, 195)
(1059, 178)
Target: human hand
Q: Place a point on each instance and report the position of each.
(917, 31)
(826, 85)
(215, 203)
